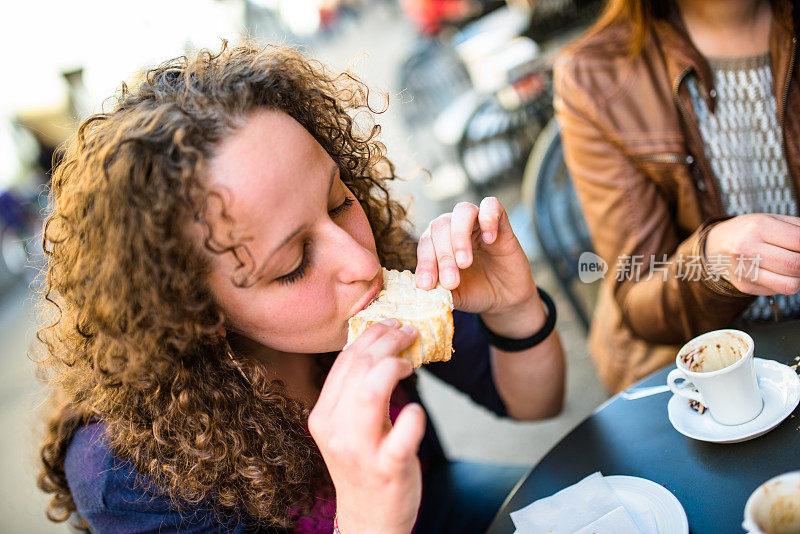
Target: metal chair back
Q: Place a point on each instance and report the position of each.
(558, 218)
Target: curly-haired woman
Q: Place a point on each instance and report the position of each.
(210, 238)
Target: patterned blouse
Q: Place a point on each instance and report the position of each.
(744, 145)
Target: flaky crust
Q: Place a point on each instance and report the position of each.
(434, 322)
(433, 344)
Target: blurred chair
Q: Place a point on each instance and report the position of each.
(500, 132)
(431, 77)
(558, 218)
(485, 93)
(552, 18)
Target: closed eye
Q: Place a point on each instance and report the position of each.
(298, 273)
(341, 208)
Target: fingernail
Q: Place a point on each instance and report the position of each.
(448, 278)
(487, 237)
(408, 329)
(461, 258)
(390, 322)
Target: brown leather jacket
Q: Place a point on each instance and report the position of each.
(635, 152)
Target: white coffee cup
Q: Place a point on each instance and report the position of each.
(774, 507)
(731, 393)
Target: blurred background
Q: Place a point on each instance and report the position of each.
(469, 84)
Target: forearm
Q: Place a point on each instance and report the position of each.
(530, 382)
(672, 305)
(655, 270)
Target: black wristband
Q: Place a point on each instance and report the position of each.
(516, 345)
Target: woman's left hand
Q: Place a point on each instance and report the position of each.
(473, 252)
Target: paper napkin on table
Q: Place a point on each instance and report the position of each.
(588, 507)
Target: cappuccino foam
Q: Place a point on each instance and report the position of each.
(714, 353)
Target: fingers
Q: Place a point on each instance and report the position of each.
(426, 273)
(373, 333)
(760, 279)
(780, 230)
(378, 341)
(372, 398)
(787, 218)
(443, 247)
(462, 229)
(346, 358)
(766, 282)
(491, 213)
(766, 250)
(403, 440)
(779, 260)
(435, 256)
(391, 343)
(447, 245)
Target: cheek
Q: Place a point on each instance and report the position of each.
(297, 319)
(304, 320)
(309, 303)
(260, 311)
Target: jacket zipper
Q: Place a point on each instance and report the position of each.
(776, 310)
(676, 97)
(666, 157)
(785, 96)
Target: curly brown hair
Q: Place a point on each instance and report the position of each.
(136, 343)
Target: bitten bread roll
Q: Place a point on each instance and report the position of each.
(430, 311)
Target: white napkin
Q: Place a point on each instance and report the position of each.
(588, 507)
(617, 520)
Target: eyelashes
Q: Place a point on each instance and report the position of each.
(348, 201)
(298, 273)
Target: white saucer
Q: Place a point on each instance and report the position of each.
(650, 502)
(780, 388)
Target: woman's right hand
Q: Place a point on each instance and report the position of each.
(373, 464)
(773, 239)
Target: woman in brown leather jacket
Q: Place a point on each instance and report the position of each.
(681, 129)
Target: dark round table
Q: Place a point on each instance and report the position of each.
(634, 437)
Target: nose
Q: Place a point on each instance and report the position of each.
(354, 260)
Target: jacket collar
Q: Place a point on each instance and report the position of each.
(680, 53)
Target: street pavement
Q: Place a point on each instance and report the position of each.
(22, 505)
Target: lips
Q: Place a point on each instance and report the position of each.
(372, 294)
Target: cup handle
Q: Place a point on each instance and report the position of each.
(683, 391)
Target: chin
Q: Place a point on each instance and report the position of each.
(334, 342)
(341, 341)
(337, 341)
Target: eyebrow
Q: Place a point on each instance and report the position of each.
(300, 228)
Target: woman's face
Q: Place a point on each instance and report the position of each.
(312, 262)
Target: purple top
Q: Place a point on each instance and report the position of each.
(112, 497)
